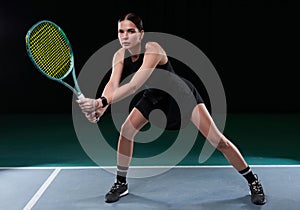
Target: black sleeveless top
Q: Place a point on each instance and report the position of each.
(177, 115)
(131, 67)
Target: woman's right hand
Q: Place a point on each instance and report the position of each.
(94, 117)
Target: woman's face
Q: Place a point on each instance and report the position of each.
(128, 34)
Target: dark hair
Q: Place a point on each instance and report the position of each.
(133, 18)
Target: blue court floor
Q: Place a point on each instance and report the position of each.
(177, 188)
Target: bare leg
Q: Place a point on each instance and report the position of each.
(203, 121)
(134, 122)
(205, 124)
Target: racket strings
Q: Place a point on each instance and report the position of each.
(50, 50)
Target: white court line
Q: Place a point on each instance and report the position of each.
(112, 167)
(42, 189)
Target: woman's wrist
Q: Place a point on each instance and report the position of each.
(98, 103)
(104, 101)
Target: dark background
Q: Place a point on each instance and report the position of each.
(252, 44)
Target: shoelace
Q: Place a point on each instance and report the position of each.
(115, 186)
(256, 186)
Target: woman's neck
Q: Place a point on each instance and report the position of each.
(135, 52)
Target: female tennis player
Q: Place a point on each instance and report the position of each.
(143, 60)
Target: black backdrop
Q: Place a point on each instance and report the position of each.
(252, 44)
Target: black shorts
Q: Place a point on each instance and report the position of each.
(176, 117)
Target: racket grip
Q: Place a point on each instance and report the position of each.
(80, 96)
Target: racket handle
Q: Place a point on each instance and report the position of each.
(80, 96)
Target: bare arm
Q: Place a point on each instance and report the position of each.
(92, 108)
(154, 55)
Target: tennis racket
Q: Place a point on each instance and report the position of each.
(50, 51)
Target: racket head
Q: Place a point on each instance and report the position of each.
(50, 50)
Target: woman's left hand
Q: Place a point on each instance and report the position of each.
(88, 105)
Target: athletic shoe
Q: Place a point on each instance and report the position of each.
(257, 192)
(117, 190)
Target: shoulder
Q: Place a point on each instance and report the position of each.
(154, 47)
(119, 55)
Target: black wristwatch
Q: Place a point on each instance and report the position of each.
(104, 101)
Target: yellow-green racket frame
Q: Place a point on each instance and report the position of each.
(51, 53)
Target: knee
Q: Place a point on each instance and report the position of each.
(223, 144)
(127, 130)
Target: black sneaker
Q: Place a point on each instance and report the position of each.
(117, 190)
(257, 192)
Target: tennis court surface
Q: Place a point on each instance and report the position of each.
(180, 188)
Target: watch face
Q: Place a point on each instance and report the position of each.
(104, 101)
